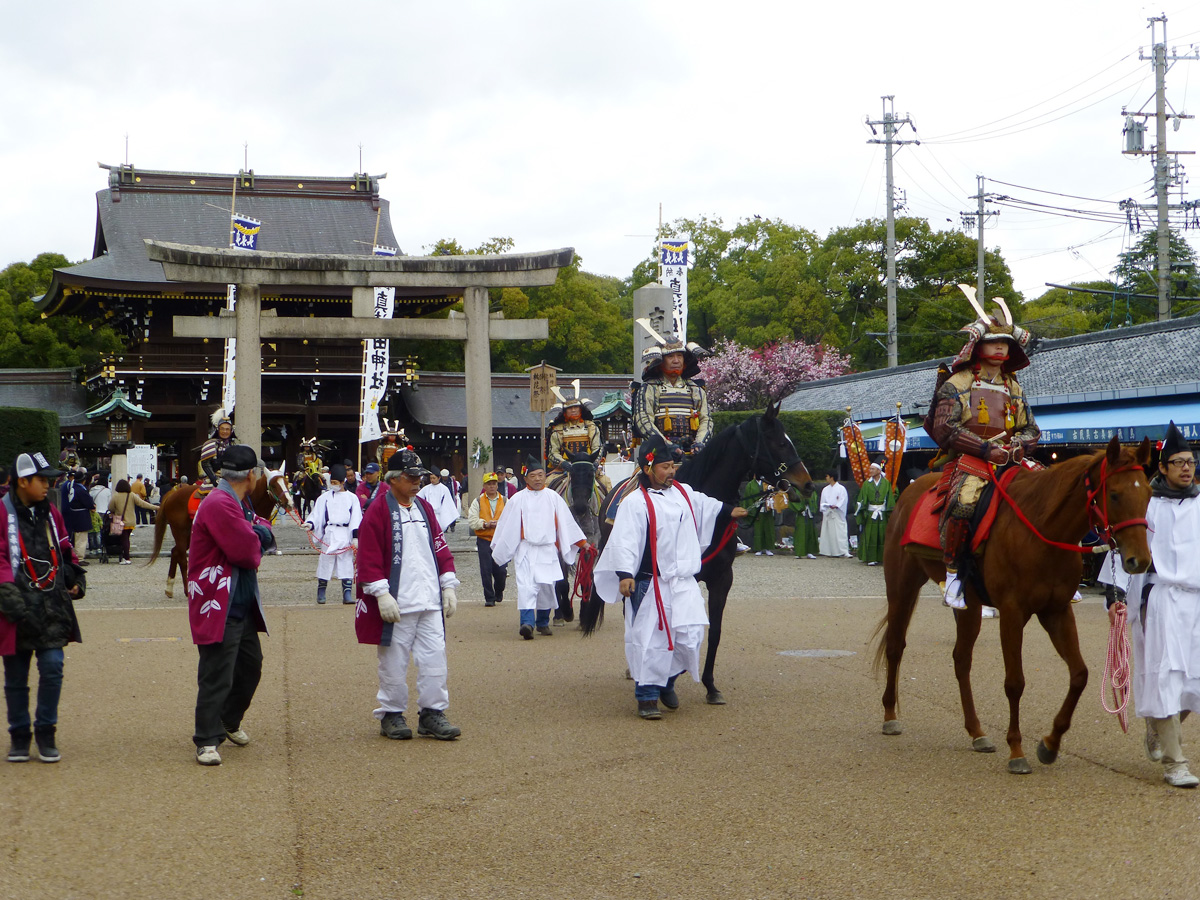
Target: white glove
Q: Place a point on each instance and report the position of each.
(308, 526)
(389, 609)
(449, 602)
(354, 543)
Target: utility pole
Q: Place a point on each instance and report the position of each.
(1163, 178)
(890, 126)
(977, 218)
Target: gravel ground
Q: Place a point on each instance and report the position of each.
(556, 789)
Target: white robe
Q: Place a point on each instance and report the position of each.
(534, 528)
(1166, 634)
(444, 508)
(335, 516)
(681, 535)
(834, 501)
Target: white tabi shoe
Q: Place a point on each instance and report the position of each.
(952, 592)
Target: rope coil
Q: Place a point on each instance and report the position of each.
(1116, 678)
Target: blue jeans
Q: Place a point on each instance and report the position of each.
(647, 691)
(16, 689)
(538, 617)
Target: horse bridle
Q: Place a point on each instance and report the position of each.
(755, 458)
(1098, 503)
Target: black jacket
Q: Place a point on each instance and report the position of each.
(44, 619)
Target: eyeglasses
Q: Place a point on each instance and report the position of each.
(1182, 463)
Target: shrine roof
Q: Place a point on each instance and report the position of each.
(440, 401)
(299, 214)
(117, 400)
(1152, 360)
(53, 389)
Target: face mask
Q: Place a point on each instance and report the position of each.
(336, 487)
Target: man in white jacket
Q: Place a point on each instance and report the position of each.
(438, 495)
(334, 522)
(834, 501)
(651, 560)
(534, 530)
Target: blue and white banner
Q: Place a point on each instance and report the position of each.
(673, 259)
(243, 232)
(376, 362)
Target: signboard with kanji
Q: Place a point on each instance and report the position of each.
(541, 379)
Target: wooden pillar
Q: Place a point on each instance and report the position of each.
(248, 368)
(478, 359)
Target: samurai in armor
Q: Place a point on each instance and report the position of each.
(980, 419)
(671, 402)
(220, 439)
(572, 430)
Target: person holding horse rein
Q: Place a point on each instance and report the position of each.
(1163, 610)
(572, 430)
(980, 420)
(220, 439)
(651, 560)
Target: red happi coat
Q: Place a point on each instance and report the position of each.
(375, 562)
(222, 542)
(8, 631)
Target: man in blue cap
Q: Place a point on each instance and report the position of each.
(369, 487)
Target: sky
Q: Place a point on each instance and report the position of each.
(561, 124)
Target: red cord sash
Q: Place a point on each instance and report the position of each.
(663, 625)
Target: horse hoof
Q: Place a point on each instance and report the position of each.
(715, 698)
(1019, 766)
(1045, 755)
(983, 744)
(170, 595)
(893, 726)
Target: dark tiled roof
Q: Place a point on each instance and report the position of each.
(1145, 360)
(443, 406)
(320, 221)
(53, 389)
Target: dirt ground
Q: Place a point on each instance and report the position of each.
(557, 789)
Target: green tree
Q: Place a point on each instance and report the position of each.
(29, 341)
(1136, 275)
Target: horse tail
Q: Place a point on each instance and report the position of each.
(591, 614)
(161, 524)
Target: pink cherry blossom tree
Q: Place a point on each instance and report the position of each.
(738, 377)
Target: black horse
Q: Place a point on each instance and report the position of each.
(311, 487)
(758, 447)
(577, 485)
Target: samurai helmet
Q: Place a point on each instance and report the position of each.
(652, 356)
(566, 402)
(220, 418)
(990, 328)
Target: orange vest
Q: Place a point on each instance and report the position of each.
(485, 504)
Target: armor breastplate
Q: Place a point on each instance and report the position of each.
(988, 409)
(674, 413)
(385, 454)
(575, 438)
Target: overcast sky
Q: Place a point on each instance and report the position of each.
(566, 124)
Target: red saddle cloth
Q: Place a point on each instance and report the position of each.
(194, 501)
(921, 535)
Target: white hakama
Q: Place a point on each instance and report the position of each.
(834, 540)
(534, 528)
(335, 517)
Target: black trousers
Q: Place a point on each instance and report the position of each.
(494, 576)
(226, 679)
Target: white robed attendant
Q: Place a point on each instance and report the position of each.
(535, 527)
(834, 541)
(335, 518)
(662, 642)
(444, 508)
(1165, 629)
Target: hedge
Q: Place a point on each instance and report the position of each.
(814, 432)
(27, 431)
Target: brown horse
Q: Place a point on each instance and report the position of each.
(269, 492)
(1022, 575)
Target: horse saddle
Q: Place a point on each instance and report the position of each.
(198, 494)
(922, 536)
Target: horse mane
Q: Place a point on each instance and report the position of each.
(697, 469)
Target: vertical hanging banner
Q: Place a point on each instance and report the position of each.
(376, 361)
(895, 439)
(243, 234)
(673, 257)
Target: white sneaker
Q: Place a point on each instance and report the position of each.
(758, 553)
(741, 548)
(990, 612)
(952, 592)
(238, 737)
(208, 756)
(1078, 596)
(1177, 775)
(767, 553)
(812, 556)
(125, 562)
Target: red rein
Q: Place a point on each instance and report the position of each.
(1097, 512)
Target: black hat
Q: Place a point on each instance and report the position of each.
(405, 462)
(30, 464)
(532, 464)
(1173, 443)
(238, 458)
(657, 449)
(337, 472)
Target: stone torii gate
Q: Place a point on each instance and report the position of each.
(250, 269)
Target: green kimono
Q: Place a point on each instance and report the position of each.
(763, 515)
(805, 539)
(872, 511)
